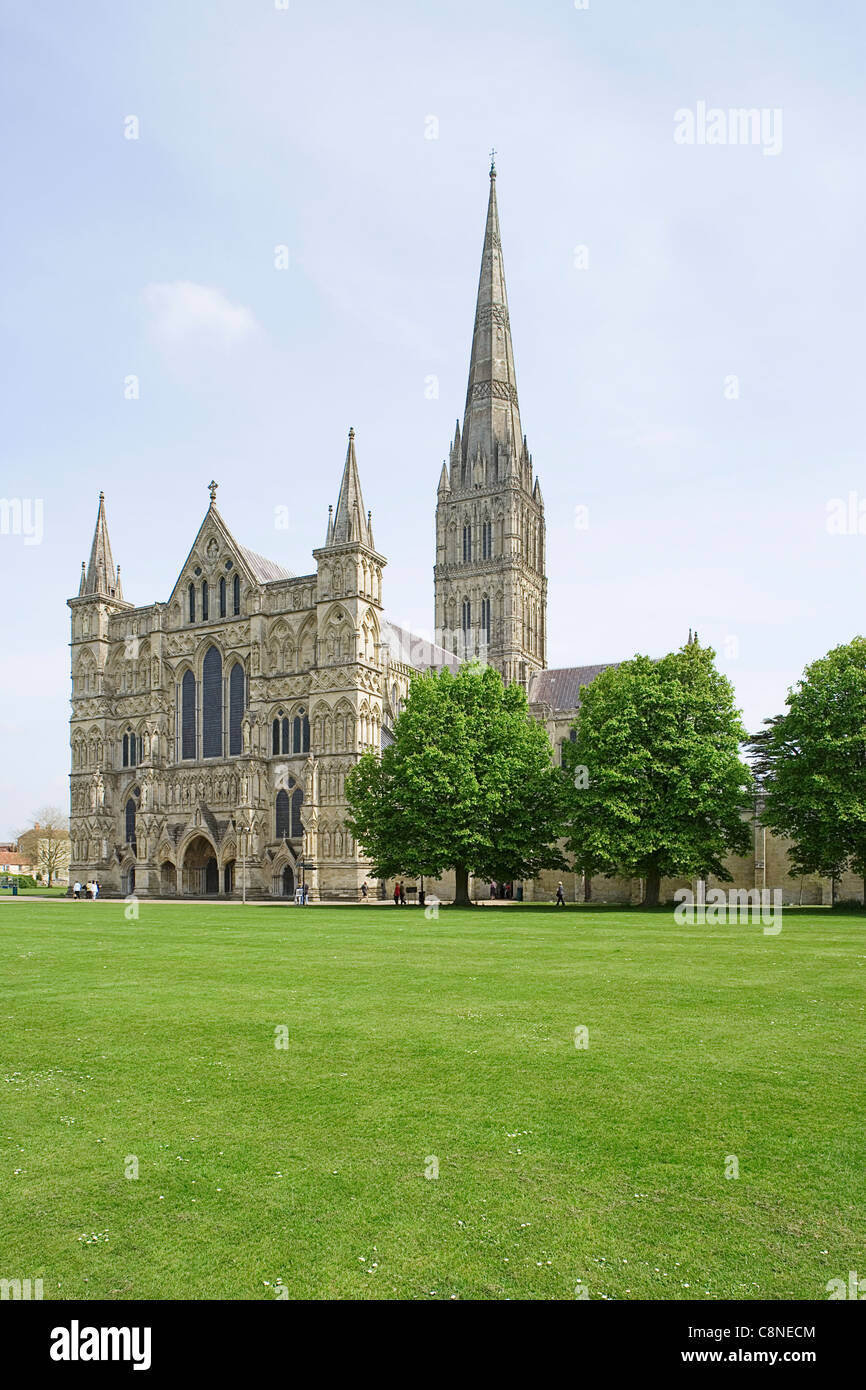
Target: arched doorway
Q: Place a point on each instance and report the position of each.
(167, 878)
(284, 882)
(200, 869)
(229, 877)
(127, 881)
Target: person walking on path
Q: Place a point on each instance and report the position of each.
(402, 896)
(560, 896)
(76, 889)
(397, 893)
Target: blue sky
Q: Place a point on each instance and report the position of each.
(308, 127)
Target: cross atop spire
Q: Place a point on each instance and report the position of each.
(100, 578)
(212, 489)
(493, 164)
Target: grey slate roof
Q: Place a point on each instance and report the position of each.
(559, 686)
(412, 650)
(265, 571)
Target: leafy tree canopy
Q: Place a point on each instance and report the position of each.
(663, 786)
(811, 765)
(468, 784)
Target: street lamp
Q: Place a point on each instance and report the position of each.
(241, 827)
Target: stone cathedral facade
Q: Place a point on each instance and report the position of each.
(211, 734)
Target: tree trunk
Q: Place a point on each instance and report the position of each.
(587, 888)
(461, 891)
(864, 890)
(652, 885)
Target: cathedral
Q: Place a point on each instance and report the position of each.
(211, 734)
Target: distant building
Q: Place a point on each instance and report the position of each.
(12, 861)
(46, 849)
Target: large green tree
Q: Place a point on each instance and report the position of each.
(658, 787)
(811, 765)
(468, 784)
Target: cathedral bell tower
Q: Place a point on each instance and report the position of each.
(489, 580)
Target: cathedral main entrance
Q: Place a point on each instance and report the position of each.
(200, 870)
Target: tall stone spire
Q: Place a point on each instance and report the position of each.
(101, 578)
(350, 522)
(491, 419)
(490, 588)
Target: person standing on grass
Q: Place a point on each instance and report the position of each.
(397, 892)
(402, 896)
(76, 889)
(560, 895)
(364, 891)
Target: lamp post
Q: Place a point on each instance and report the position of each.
(239, 824)
(244, 862)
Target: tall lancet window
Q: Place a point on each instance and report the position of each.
(487, 540)
(187, 704)
(205, 597)
(485, 619)
(212, 704)
(282, 815)
(222, 598)
(297, 803)
(191, 592)
(237, 704)
(236, 596)
(467, 544)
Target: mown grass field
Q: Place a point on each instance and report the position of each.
(411, 1040)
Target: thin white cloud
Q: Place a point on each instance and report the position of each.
(182, 313)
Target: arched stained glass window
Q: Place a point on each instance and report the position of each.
(237, 704)
(297, 802)
(191, 592)
(205, 597)
(275, 740)
(212, 704)
(285, 730)
(222, 598)
(236, 595)
(130, 822)
(187, 749)
(282, 815)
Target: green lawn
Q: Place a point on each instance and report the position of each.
(411, 1038)
(52, 892)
